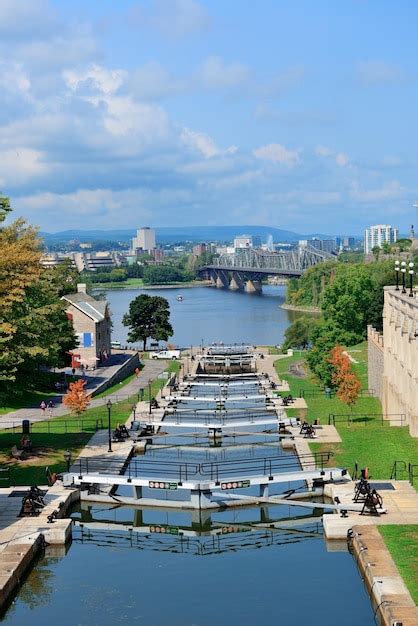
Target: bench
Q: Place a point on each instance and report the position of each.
(18, 454)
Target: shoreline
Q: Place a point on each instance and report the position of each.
(113, 286)
(302, 309)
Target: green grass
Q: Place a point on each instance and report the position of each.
(366, 442)
(24, 400)
(48, 450)
(129, 283)
(116, 387)
(402, 543)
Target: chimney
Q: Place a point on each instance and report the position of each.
(81, 288)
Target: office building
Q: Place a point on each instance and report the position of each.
(376, 236)
(144, 240)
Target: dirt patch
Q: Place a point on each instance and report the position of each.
(298, 369)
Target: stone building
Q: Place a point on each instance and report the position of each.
(393, 357)
(92, 326)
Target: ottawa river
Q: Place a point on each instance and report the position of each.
(253, 565)
(211, 315)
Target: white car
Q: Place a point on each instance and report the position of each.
(165, 354)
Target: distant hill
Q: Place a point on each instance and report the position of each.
(174, 234)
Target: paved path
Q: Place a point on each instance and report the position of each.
(151, 370)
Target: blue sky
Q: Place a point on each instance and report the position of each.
(295, 114)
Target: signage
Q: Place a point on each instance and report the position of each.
(156, 484)
(164, 530)
(236, 484)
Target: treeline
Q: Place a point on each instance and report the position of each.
(34, 329)
(351, 297)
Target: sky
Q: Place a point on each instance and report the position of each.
(297, 114)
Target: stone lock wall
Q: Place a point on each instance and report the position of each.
(375, 352)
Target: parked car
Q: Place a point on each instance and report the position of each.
(165, 354)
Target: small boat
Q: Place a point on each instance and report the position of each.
(179, 298)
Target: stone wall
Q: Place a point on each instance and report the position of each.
(375, 362)
(125, 370)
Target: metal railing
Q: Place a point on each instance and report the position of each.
(264, 467)
(402, 468)
(56, 426)
(5, 476)
(314, 393)
(136, 468)
(384, 419)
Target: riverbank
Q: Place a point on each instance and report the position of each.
(300, 309)
(137, 283)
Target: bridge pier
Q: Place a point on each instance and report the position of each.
(236, 282)
(253, 286)
(222, 280)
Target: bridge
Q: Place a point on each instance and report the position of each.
(245, 269)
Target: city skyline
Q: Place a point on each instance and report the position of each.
(297, 116)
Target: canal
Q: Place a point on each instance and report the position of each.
(211, 314)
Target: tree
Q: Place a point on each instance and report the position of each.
(299, 334)
(376, 252)
(34, 329)
(76, 397)
(323, 340)
(343, 377)
(149, 316)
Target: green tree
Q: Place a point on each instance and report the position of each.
(324, 338)
(163, 274)
(376, 250)
(299, 334)
(148, 317)
(34, 329)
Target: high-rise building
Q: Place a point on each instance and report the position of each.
(144, 240)
(243, 241)
(376, 236)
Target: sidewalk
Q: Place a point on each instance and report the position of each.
(151, 370)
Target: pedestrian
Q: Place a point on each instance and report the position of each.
(137, 372)
(43, 406)
(50, 407)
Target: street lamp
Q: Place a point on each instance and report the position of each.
(67, 459)
(403, 271)
(150, 398)
(134, 411)
(397, 268)
(411, 279)
(109, 408)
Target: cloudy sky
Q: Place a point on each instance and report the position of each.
(296, 114)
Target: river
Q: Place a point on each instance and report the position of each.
(211, 315)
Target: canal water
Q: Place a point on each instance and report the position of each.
(163, 568)
(213, 315)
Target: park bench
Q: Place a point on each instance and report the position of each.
(18, 454)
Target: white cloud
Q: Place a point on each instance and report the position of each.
(174, 19)
(200, 142)
(216, 74)
(276, 153)
(392, 190)
(372, 73)
(95, 77)
(19, 165)
(341, 159)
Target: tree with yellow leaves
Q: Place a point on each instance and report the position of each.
(77, 398)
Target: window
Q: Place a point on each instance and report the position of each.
(87, 340)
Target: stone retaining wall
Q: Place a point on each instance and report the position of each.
(375, 361)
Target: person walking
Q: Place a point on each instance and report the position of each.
(50, 408)
(42, 406)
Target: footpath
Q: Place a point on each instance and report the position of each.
(151, 370)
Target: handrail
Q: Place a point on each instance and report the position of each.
(411, 472)
(383, 418)
(395, 469)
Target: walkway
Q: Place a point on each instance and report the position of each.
(152, 369)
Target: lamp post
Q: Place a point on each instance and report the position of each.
(150, 398)
(397, 268)
(67, 459)
(411, 279)
(134, 411)
(109, 408)
(403, 271)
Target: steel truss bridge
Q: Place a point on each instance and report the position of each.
(245, 269)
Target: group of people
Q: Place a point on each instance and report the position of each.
(44, 406)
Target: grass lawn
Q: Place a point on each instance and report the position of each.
(48, 450)
(49, 447)
(402, 543)
(24, 400)
(366, 442)
(116, 387)
(129, 283)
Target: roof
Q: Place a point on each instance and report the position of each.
(95, 309)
